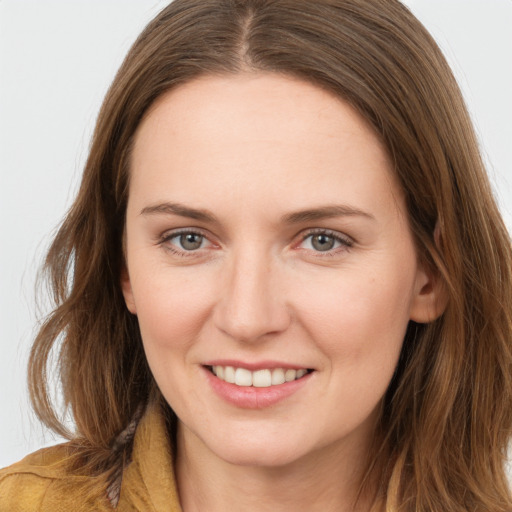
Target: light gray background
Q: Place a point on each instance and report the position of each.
(57, 58)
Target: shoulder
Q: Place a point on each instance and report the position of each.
(41, 482)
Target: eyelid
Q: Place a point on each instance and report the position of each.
(328, 232)
(170, 233)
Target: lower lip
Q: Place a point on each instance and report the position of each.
(250, 397)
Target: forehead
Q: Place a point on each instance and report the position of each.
(254, 105)
(218, 137)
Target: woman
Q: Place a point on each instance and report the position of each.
(284, 283)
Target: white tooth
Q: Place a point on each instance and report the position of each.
(290, 375)
(301, 373)
(229, 374)
(278, 376)
(214, 370)
(243, 377)
(220, 372)
(261, 379)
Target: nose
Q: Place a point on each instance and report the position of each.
(252, 302)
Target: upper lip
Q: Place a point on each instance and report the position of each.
(255, 365)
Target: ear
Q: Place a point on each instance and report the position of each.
(430, 296)
(126, 287)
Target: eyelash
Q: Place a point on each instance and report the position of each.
(345, 242)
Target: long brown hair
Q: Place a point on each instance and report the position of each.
(446, 418)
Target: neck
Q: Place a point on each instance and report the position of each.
(326, 480)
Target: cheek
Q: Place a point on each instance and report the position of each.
(359, 320)
(171, 308)
(359, 325)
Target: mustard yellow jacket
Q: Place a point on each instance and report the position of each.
(40, 483)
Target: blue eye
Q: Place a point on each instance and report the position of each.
(325, 241)
(186, 241)
(191, 241)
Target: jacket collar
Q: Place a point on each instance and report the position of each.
(148, 482)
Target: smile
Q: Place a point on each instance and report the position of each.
(260, 378)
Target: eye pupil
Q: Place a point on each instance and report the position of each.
(322, 242)
(191, 241)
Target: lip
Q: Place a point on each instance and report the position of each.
(252, 397)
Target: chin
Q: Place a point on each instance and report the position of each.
(263, 454)
(259, 445)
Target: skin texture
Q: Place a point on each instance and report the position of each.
(252, 149)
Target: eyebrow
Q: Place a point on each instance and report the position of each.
(181, 210)
(312, 214)
(325, 212)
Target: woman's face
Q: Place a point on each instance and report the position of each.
(267, 242)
